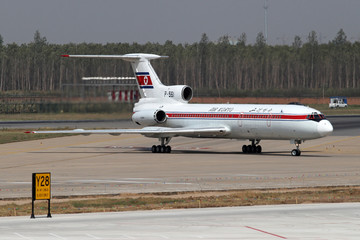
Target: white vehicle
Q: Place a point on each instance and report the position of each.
(165, 113)
(338, 102)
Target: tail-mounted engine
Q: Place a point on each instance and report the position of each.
(180, 93)
(149, 117)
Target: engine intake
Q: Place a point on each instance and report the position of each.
(160, 116)
(187, 93)
(182, 93)
(149, 117)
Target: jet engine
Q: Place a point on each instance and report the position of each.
(180, 93)
(149, 117)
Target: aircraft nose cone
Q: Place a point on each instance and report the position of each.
(325, 128)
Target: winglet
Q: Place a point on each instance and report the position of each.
(65, 55)
(30, 132)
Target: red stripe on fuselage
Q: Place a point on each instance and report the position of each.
(235, 116)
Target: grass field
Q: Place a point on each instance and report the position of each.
(206, 199)
(18, 135)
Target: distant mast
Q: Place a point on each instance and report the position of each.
(265, 20)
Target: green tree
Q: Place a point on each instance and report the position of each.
(340, 38)
(242, 39)
(260, 40)
(297, 42)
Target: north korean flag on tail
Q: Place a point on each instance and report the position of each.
(144, 80)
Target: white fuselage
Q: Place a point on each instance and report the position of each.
(244, 121)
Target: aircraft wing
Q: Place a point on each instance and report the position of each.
(151, 131)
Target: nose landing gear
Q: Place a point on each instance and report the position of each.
(296, 152)
(253, 148)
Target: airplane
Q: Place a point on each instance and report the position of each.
(165, 112)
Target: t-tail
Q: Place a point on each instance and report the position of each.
(148, 81)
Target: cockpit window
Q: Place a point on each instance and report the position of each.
(315, 117)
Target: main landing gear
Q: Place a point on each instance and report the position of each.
(296, 152)
(163, 147)
(253, 148)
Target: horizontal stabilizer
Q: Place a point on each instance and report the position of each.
(127, 57)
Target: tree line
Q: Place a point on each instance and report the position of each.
(221, 67)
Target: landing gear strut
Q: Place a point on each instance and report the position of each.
(162, 148)
(296, 152)
(253, 148)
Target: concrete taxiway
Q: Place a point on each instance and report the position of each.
(104, 164)
(312, 221)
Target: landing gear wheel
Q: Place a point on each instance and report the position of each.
(295, 152)
(168, 149)
(244, 149)
(253, 147)
(248, 149)
(258, 149)
(163, 149)
(160, 149)
(153, 149)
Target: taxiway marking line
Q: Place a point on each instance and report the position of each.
(57, 236)
(22, 236)
(259, 230)
(92, 236)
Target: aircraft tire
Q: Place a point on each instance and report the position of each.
(253, 149)
(168, 149)
(153, 149)
(162, 149)
(158, 148)
(248, 149)
(258, 149)
(244, 149)
(295, 152)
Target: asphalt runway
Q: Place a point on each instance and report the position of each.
(305, 221)
(104, 164)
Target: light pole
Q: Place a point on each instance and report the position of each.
(265, 20)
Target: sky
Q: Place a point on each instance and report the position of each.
(180, 21)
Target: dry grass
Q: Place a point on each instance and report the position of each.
(16, 135)
(132, 202)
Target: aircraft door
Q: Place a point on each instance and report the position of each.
(268, 120)
(240, 120)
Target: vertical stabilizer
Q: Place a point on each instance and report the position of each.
(148, 81)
